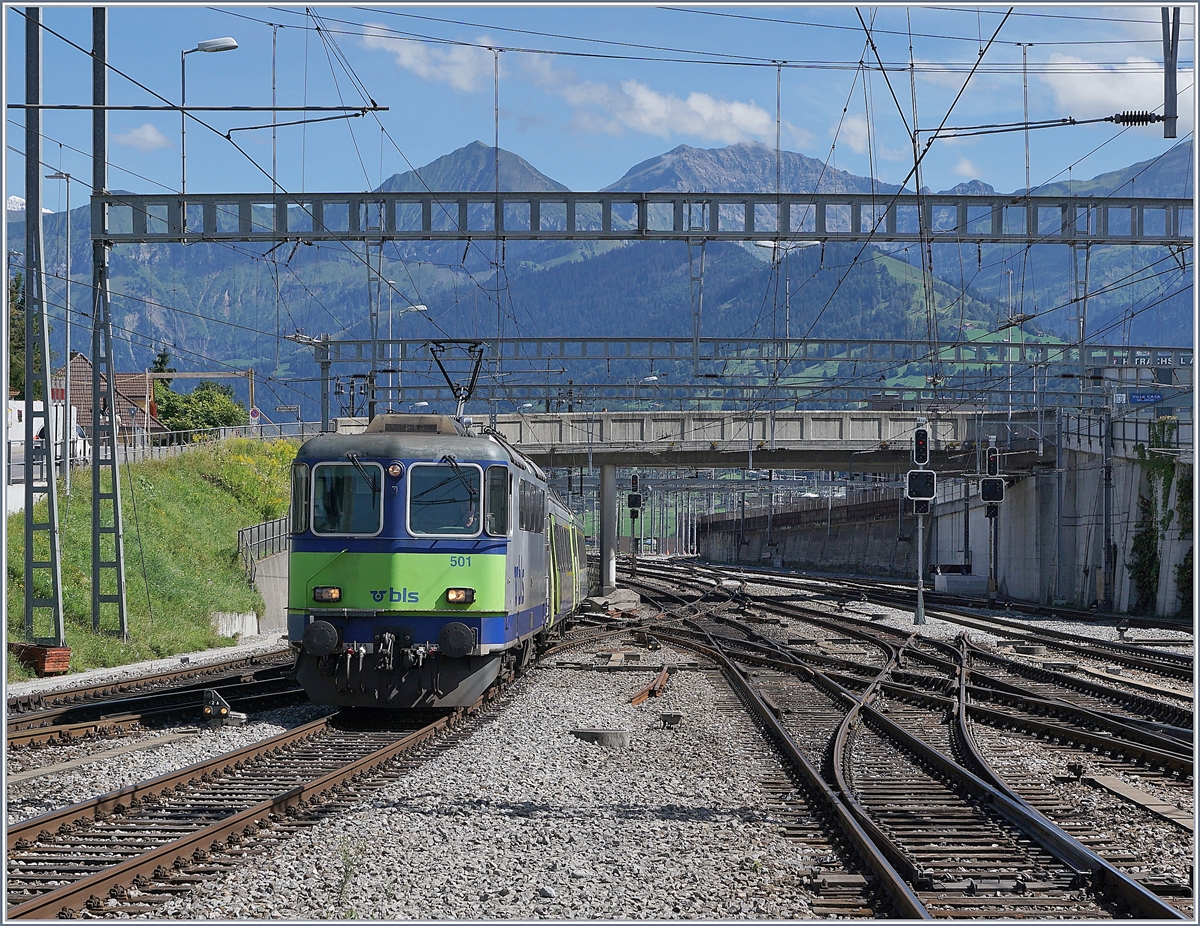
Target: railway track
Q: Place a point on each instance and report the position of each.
(967, 841)
(129, 851)
(186, 674)
(951, 608)
(885, 777)
(107, 712)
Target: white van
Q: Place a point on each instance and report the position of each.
(81, 447)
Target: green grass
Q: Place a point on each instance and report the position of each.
(180, 518)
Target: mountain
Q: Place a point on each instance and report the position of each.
(1168, 175)
(17, 204)
(971, 188)
(747, 167)
(472, 169)
(224, 305)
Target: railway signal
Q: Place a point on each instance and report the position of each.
(993, 460)
(922, 484)
(991, 489)
(920, 448)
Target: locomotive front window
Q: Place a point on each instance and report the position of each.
(299, 498)
(346, 498)
(444, 499)
(498, 488)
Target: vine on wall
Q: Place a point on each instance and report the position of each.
(1154, 515)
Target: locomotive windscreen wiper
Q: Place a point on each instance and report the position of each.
(353, 458)
(449, 458)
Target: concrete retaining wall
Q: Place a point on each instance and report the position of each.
(1027, 548)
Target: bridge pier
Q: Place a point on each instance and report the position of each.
(608, 529)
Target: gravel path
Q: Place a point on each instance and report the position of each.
(524, 821)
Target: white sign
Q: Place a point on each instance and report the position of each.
(1119, 398)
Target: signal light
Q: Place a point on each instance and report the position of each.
(633, 514)
(991, 489)
(991, 511)
(633, 482)
(993, 461)
(921, 506)
(920, 452)
(922, 484)
(635, 500)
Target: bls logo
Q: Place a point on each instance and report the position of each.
(395, 596)
(519, 576)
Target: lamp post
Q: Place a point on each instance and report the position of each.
(225, 43)
(69, 422)
(397, 383)
(786, 247)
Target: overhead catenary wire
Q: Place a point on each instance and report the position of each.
(510, 297)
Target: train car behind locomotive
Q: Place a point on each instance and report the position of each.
(426, 562)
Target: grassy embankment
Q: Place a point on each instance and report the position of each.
(181, 517)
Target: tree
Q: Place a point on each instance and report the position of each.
(161, 359)
(16, 335)
(211, 405)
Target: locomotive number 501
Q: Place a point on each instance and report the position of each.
(460, 561)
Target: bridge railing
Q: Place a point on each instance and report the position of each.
(809, 512)
(258, 541)
(1086, 433)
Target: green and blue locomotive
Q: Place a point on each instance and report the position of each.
(426, 562)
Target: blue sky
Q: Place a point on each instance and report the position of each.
(585, 93)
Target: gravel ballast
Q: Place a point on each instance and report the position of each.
(523, 820)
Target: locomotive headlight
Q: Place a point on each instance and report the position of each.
(327, 593)
(460, 595)
(396, 470)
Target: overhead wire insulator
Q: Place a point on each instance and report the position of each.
(1135, 118)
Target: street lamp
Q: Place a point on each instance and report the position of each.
(786, 247)
(225, 43)
(396, 383)
(69, 422)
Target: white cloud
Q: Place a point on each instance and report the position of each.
(964, 168)
(633, 106)
(854, 133)
(465, 68)
(1089, 91)
(144, 138)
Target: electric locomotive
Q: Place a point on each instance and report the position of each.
(426, 561)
